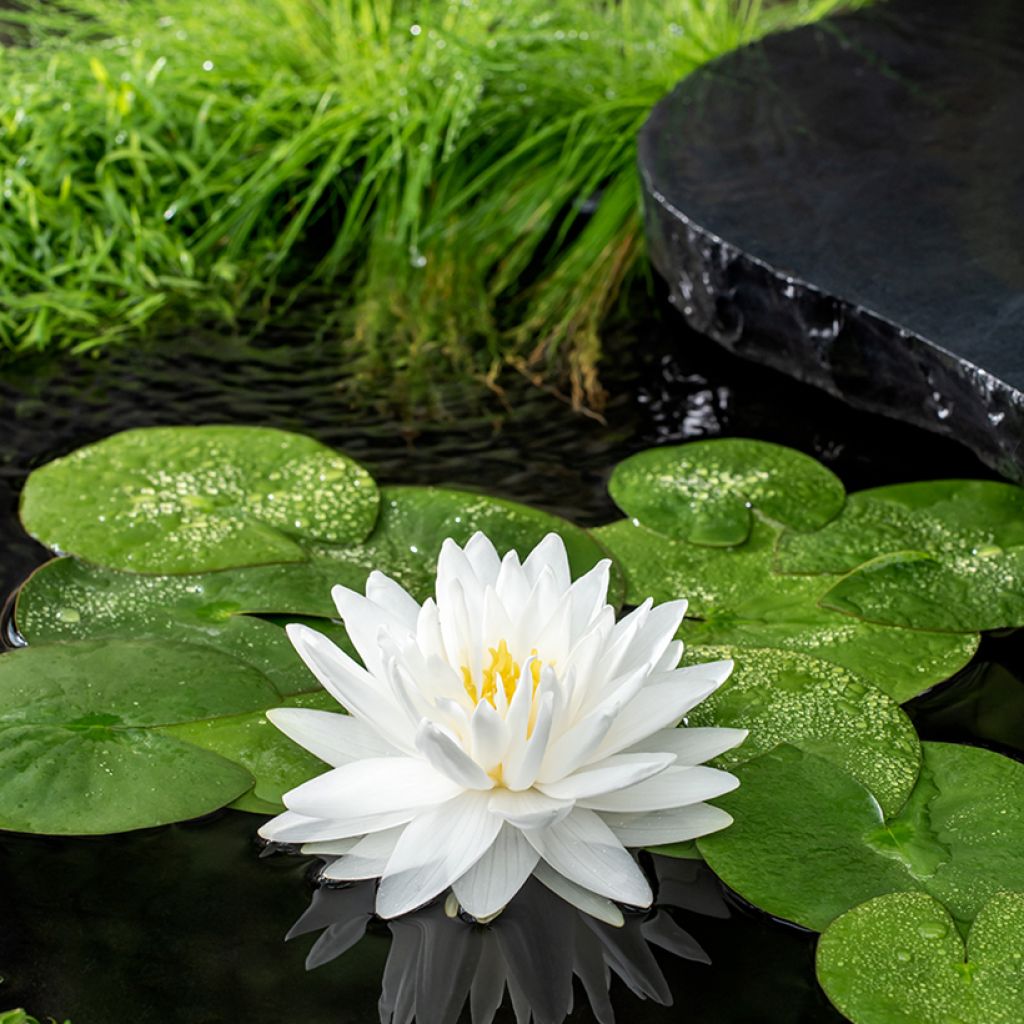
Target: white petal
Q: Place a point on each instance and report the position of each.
(393, 598)
(367, 859)
(483, 558)
(449, 759)
(675, 825)
(607, 775)
(497, 625)
(692, 745)
(653, 638)
(549, 553)
(455, 569)
(428, 631)
(290, 827)
(517, 719)
(374, 785)
(585, 741)
(435, 849)
(584, 849)
(524, 758)
(330, 735)
(364, 620)
(588, 596)
(498, 875)
(670, 659)
(351, 685)
(543, 602)
(512, 586)
(674, 787)
(578, 897)
(662, 704)
(460, 631)
(489, 736)
(553, 639)
(528, 808)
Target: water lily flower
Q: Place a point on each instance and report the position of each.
(511, 727)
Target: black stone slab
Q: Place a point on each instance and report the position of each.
(846, 202)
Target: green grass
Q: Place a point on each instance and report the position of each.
(416, 169)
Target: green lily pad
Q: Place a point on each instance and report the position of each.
(67, 600)
(703, 492)
(81, 749)
(809, 842)
(899, 959)
(276, 763)
(414, 522)
(736, 601)
(191, 499)
(789, 697)
(943, 555)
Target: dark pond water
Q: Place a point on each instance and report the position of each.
(187, 923)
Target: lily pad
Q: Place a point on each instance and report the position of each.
(67, 600)
(789, 697)
(809, 842)
(192, 499)
(414, 522)
(703, 492)
(943, 555)
(276, 763)
(899, 958)
(736, 601)
(81, 748)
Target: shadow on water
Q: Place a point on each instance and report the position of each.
(186, 923)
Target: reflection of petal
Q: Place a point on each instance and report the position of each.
(334, 906)
(662, 931)
(535, 937)
(498, 875)
(690, 885)
(534, 949)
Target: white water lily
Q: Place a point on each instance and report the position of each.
(510, 728)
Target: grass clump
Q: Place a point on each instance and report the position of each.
(455, 177)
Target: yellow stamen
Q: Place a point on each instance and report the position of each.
(503, 669)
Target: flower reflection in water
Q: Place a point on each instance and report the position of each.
(441, 959)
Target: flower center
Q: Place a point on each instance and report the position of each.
(503, 671)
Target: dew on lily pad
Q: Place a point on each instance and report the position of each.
(706, 492)
(192, 499)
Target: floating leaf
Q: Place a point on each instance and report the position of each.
(736, 601)
(809, 842)
(789, 697)
(414, 522)
(703, 492)
(899, 958)
(276, 762)
(944, 555)
(191, 499)
(67, 600)
(81, 751)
